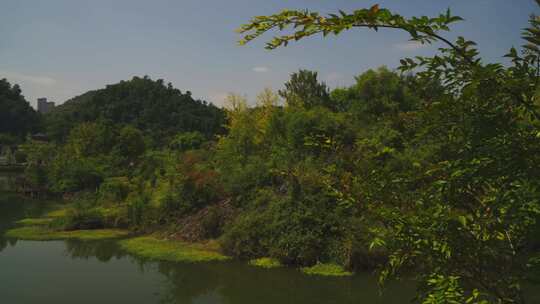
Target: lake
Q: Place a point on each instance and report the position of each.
(58, 272)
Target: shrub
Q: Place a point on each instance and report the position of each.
(114, 189)
(136, 210)
(212, 223)
(82, 218)
(187, 141)
(247, 236)
(20, 157)
(170, 204)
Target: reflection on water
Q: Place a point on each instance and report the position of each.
(236, 282)
(13, 208)
(78, 272)
(60, 272)
(103, 251)
(240, 283)
(99, 272)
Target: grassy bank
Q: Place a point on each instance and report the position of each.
(44, 228)
(41, 233)
(35, 222)
(175, 251)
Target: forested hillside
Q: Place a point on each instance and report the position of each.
(157, 108)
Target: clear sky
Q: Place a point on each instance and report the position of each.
(62, 48)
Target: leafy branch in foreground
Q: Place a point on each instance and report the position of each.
(306, 23)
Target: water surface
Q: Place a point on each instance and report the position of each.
(58, 272)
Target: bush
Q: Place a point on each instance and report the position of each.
(247, 236)
(187, 141)
(212, 223)
(136, 210)
(69, 174)
(300, 234)
(78, 219)
(196, 185)
(114, 217)
(20, 157)
(114, 189)
(303, 226)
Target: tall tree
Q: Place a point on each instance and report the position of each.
(17, 117)
(305, 90)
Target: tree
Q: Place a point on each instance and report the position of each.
(187, 141)
(17, 117)
(463, 217)
(130, 144)
(304, 90)
(90, 139)
(240, 141)
(377, 93)
(267, 99)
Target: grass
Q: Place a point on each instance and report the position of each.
(47, 219)
(326, 270)
(153, 248)
(37, 233)
(57, 213)
(35, 221)
(265, 263)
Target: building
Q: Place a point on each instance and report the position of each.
(44, 106)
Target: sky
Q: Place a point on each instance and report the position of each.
(62, 48)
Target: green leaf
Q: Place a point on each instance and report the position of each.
(462, 220)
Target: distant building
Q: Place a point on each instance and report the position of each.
(44, 106)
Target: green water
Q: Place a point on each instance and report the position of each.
(60, 272)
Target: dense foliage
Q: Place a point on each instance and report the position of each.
(456, 201)
(432, 172)
(304, 90)
(158, 109)
(17, 117)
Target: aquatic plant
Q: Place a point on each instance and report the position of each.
(168, 250)
(266, 263)
(326, 270)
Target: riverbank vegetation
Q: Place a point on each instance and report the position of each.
(41, 233)
(332, 270)
(265, 263)
(155, 248)
(57, 224)
(431, 169)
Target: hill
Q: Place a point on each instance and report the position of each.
(156, 108)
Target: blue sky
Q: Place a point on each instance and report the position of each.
(62, 48)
